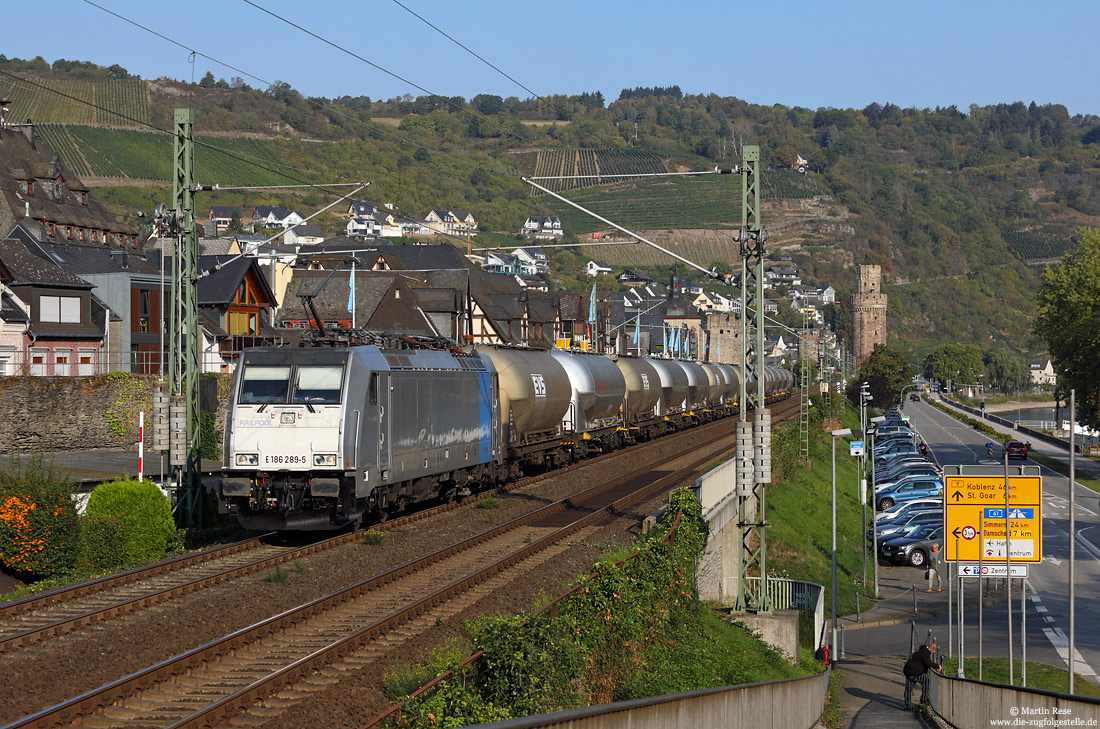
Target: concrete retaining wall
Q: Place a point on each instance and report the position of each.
(794, 703)
(968, 704)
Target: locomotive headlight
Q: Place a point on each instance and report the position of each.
(248, 459)
(327, 459)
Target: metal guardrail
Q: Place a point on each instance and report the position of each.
(965, 703)
(784, 594)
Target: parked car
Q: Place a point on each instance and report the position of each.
(1016, 449)
(886, 531)
(917, 489)
(913, 548)
(910, 469)
(881, 488)
(905, 507)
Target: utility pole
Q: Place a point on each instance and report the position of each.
(753, 441)
(183, 334)
(804, 393)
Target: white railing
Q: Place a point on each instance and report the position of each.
(784, 594)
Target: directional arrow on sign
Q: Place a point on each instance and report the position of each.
(957, 496)
(956, 532)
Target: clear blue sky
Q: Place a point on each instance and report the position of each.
(805, 53)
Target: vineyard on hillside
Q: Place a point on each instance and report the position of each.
(127, 96)
(702, 246)
(666, 202)
(1035, 245)
(101, 152)
(791, 185)
(601, 164)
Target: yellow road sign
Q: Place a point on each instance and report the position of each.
(990, 490)
(974, 518)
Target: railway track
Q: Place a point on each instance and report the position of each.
(58, 612)
(306, 649)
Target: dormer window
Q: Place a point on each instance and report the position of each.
(70, 232)
(84, 198)
(30, 187)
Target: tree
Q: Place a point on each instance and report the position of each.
(207, 81)
(960, 363)
(1003, 371)
(235, 223)
(117, 71)
(1068, 312)
(888, 372)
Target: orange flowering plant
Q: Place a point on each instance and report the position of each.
(38, 520)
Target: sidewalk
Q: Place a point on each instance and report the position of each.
(873, 685)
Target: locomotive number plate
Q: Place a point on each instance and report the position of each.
(284, 460)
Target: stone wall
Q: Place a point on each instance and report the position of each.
(78, 413)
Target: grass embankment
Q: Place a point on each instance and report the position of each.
(1039, 675)
(799, 512)
(631, 629)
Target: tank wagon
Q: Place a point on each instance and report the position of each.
(319, 437)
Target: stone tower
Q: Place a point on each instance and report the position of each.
(868, 312)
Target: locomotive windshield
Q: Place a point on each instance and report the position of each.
(319, 384)
(264, 384)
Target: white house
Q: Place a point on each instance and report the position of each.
(451, 222)
(363, 228)
(542, 226)
(304, 235)
(1041, 371)
(532, 260)
(595, 268)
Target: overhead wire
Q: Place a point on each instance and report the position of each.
(329, 107)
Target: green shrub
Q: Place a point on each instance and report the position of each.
(143, 514)
(487, 502)
(277, 574)
(102, 545)
(39, 526)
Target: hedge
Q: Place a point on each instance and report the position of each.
(143, 516)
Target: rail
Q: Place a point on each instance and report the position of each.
(784, 594)
(227, 705)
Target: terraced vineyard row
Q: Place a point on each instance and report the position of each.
(65, 144)
(790, 184)
(601, 162)
(127, 96)
(706, 248)
(1033, 245)
(100, 152)
(677, 202)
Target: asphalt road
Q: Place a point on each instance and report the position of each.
(1047, 613)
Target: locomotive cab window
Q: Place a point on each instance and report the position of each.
(318, 385)
(264, 385)
(373, 388)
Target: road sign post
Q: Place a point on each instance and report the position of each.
(986, 530)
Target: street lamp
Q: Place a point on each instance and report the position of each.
(832, 647)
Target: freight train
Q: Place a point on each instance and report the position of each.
(319, 437)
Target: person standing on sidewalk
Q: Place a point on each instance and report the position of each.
(916, 672)
(933, 569)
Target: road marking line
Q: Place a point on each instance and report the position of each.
(1060, 642)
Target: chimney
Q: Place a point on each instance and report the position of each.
(28, 132)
